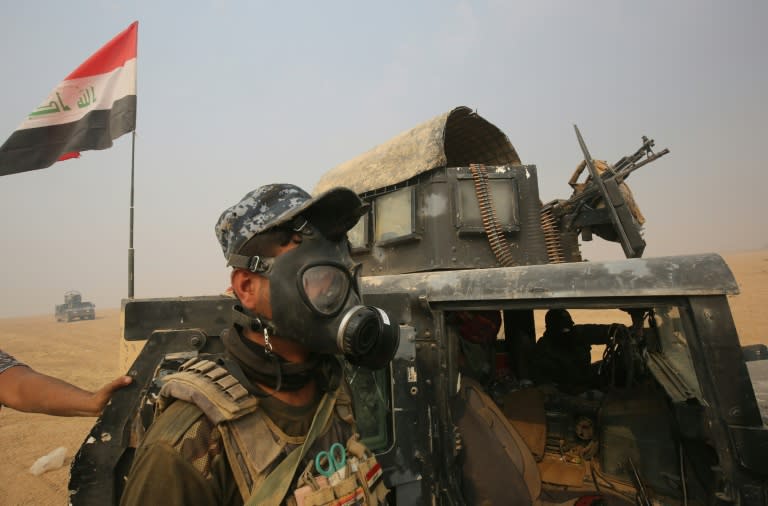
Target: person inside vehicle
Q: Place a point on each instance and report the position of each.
(24, 389)
(270, 420)
(477, 351)
(562, 356)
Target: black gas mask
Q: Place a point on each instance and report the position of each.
(315, 298)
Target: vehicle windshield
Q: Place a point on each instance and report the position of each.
(662, 335)
(673, 344)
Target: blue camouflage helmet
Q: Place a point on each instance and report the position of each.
(333, 213)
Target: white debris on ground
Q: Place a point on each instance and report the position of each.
(53, 460)
(758, 372)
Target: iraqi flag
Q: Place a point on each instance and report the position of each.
(90, 108)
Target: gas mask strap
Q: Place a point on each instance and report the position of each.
(256, 263)
(246, 319)
(279, 378)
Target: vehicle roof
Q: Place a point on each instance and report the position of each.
(534, 285)
(457, 138)
(704, 274)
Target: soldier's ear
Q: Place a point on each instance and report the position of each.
(245, 286)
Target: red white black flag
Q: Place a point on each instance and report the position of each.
(92, 106)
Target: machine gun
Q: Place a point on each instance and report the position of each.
(603, 204)
(620, 170)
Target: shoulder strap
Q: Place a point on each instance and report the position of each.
(344, 404)
(275, 486)
(171, 428)
(211, 387)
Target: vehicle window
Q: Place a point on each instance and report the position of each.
(504, 197)
(358, 235)
(758, 372)
(394, 216)
(372, 404)
(674, 345)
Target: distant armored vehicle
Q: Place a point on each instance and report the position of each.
(74, 308)
(456, 228)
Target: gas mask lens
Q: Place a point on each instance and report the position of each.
(325, 287)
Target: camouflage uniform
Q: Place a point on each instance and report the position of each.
(216, 441)
(176, 466)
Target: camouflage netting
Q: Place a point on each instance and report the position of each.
(454, 139)
(601, 166)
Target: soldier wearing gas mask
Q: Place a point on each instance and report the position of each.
(270, 421)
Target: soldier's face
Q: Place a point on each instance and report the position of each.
(254, 294)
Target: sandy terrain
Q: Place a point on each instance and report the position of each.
(86, 353)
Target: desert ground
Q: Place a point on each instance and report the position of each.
(86, 353)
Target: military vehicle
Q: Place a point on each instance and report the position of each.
(456, 225)
(74, 308)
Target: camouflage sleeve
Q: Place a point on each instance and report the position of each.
(7, 361)
(161, 476)
(180, 467)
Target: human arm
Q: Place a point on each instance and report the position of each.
(24, 389)
(593, 333)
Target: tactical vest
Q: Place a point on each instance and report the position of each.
(252, 441)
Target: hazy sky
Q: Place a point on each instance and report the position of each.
(233, 95)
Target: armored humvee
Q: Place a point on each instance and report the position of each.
(74, 308)
(456, 225)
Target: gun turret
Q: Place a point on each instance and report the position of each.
(620, 170)
(603, 203)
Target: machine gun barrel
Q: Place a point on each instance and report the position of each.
(647, 147)
(631, 163)
(626, 170)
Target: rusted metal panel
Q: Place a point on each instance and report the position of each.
(444, 239)
(705, 274)
(209, 313)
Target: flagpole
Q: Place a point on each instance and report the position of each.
(130, 238)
